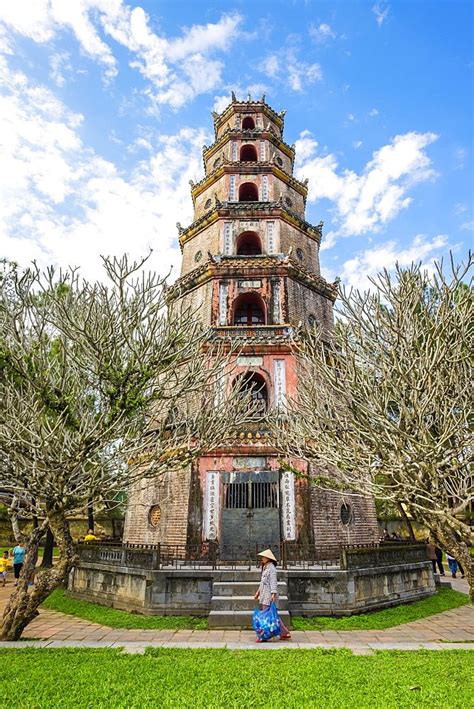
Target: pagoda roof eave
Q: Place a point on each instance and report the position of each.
(223, 210)
(271, 265)
(249, 168)
(251, 134)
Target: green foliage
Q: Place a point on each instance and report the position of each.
(444, 600)
(163, 677)
(60, 601)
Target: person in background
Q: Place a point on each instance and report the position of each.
(453, 565)
(431, 552)
(4, 566)
(439, 560)
(90, 536)
(18, 560)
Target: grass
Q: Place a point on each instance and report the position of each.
(59, 600)
(333, 679)
(444, 600)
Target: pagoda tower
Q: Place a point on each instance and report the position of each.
(250, 271)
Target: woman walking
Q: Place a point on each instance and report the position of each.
(268, 589)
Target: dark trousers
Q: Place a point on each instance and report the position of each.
(17, 569)
(440, 565)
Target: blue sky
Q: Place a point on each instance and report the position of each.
(106, 105)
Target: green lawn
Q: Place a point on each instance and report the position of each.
(444, 600)
(225, 678)
(60, 601)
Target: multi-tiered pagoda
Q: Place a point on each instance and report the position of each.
(251, 271)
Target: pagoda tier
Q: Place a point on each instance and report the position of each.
(250, 272)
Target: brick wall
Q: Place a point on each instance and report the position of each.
(171, 493)
(303, 302)
(326, 519)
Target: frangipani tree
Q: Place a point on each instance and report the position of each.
(386, 406)
(101, 383)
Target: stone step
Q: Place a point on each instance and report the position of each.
(242, 588)
(241, 603)
(239, 619)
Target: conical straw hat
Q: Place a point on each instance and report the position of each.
(268, 554)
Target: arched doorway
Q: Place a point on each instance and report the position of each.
(249, 310)
(248, 153)
(248, 123)
(249, 244)
(248, 192)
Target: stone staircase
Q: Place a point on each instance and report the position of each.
(233, 602)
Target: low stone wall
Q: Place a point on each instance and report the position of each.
(310, 592)
(339, 593)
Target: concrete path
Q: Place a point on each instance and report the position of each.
(452, 629)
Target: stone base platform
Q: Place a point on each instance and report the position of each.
(307, 592)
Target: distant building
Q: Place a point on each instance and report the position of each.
(250, 270)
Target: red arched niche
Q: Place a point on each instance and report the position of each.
(248, 123)
(248, 244)
(248, 153)
(248, 192)
(249, 310)
(254, 384)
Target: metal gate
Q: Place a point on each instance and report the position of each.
(250, 514)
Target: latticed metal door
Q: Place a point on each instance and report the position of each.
(250, 513)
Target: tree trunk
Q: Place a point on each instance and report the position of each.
(407, 521)
(47, 561)
(90, 515)
(22, 606)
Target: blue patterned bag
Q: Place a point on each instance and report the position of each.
(266, 623)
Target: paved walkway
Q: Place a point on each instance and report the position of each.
(452, 629)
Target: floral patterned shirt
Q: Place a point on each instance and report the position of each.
(268, 584)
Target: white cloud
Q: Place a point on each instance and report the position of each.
(178, 69)
(61, 66)
(373, 112)
(297, 74)
(460, 208)
(460, 155)
(356, 271)
(468, 226)
(357, 144)
(350, 117)
(322, 33)
(381, 11)
(366, 202)
(271, 65)
(62, 203)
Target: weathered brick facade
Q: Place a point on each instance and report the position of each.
(250, 269)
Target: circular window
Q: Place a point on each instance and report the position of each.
(279, 161)
(217, 162)
(288, 202)
(154, 515)
(300, 254)
(346, 513)
(198, 256)
(311, 320)
(208, 204)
